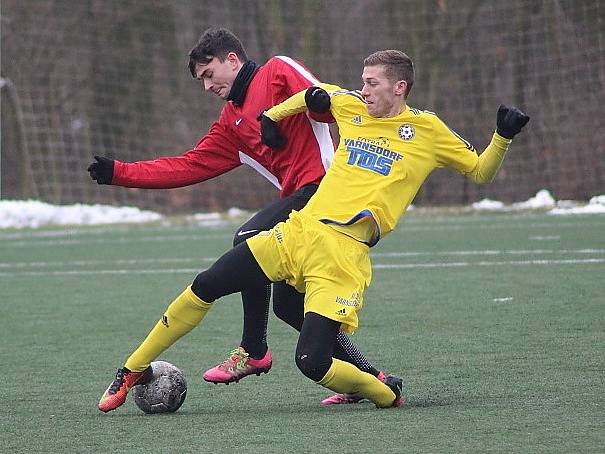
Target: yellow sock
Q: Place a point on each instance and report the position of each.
(343, 377)
(183, 314)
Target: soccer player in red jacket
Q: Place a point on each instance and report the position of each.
(220, 63)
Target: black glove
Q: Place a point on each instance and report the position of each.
(270, 134)
(101, 170)
(317, 100)
(510, 121)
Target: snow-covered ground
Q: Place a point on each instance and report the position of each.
(544, 200)
(31, 213)
(34, 214)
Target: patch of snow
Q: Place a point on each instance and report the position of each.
(32, 213)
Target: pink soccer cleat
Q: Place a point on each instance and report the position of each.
(238, 365)
(341, 399)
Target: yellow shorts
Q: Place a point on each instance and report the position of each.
(332, 269)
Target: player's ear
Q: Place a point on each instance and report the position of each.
(233, 59)
(400, 87)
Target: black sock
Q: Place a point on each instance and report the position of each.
(346, 350)
(256, 314)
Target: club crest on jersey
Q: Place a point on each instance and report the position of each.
(356, 120)
(406, 132)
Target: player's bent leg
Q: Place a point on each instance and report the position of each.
(234, 272)
(254, 329)
(245, 276)
(313, 357)
(184, 314)
(252, 356)
(254, 332)
(316, 345)
(181, 316)
(346, 350)
(248, 274)
(288, 305)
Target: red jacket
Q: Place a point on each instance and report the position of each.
(234, 139)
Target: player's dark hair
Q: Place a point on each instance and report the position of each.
(215, 42)
(397, 66)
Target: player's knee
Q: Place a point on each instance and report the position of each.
(312, 365)
(207, 286)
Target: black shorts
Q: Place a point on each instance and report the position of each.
(276, 212)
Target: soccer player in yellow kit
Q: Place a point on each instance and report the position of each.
(386, 151)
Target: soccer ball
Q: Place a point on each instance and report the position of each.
(165, 392)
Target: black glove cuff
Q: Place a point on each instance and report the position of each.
(506, 134)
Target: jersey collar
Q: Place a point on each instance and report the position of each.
(237, 94)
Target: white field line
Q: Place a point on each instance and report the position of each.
(119, 240)
(87, 231)
(78, 263)
(53, 238)
(400, 266)
(378, 266)
(104, 262)
(489, 252)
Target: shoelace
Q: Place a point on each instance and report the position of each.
(238, 358)
(117, 383)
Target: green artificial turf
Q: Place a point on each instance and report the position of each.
(495, 322)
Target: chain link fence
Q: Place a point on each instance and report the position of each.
(110, 77)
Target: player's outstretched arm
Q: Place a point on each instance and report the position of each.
(316, 99)
(101, 170)
(509, 122)
(298, 102)
(270, 133)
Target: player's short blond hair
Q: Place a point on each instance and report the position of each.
(397, 64)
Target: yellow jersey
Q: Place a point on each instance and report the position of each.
(381, 163)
